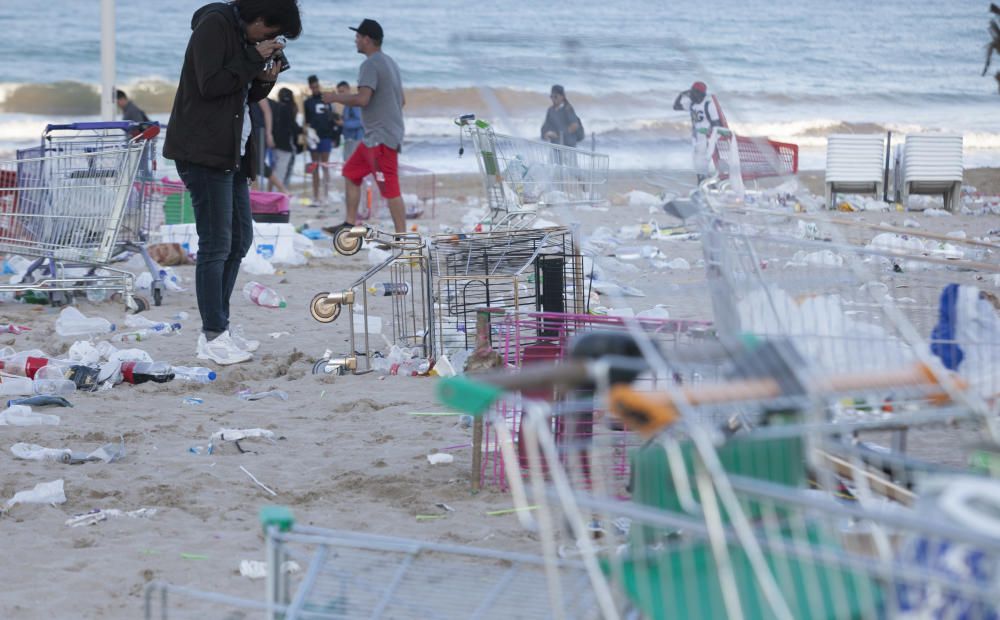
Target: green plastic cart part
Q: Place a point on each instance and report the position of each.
(279, 516)
(467, 395)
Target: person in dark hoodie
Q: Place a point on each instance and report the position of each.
(226, 67)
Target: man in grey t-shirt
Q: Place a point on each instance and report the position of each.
(380, 97)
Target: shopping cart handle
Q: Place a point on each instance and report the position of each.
(123, 125)
(149, 133)
(467, 395)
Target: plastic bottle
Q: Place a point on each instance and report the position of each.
(35, 452)
(17, 386)
(141, 322)
(22, 415)
(279, 394)
(56, 387)
(72, 322)
(389, 289)
(196, 374)
(24, 364)
(171, 280)
(143, 372)
(262, 295)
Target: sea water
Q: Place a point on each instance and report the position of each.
(793, 71)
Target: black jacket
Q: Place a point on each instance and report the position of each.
(206, 123)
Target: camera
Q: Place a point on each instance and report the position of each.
(279, 56)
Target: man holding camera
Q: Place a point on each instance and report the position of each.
(226, 67)
(380, 97)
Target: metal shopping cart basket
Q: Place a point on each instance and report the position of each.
(350, 575)
(754, 157)
(147, 194)
(521, 176)
(66, 207)
(404, 280)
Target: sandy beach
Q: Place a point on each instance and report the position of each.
(349, 454)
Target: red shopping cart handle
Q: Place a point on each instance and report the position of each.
(149, 133)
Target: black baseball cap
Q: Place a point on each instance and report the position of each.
(369, 28)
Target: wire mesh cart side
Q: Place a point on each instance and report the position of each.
(756, 157)
(354, 575)
(146, 196)
(511, 271)
(405, 283)
(520, 176)
(66, 208)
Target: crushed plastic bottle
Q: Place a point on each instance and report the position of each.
(390, 289)
(22, 415)
(34, 452)
(195, 374)
(72, 322)
(171, 280)
(141, 322)
(261, 295)
(248, 395)
(193, 401)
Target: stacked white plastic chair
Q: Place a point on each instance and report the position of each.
(932, 164)
(854, 165)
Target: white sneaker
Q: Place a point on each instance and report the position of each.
(222, 350)
(246, 344)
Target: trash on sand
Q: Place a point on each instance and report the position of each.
(40, 401)
(42, 493)
(248, 395)
(255, 569)
(445, 507)
(443, 367)
(72, 322)
(440, 458)
(193, 401)
(22, 415)
(98, 514)
(277, 335)
(234, 434)
(258, 482)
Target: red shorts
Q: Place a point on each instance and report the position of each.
(380, 161)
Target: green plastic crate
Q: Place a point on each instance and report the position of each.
(177, 209)
(683, 582)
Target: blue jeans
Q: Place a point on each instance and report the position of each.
(221, 203)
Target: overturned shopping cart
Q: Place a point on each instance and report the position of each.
(402, 280)
(66, 207)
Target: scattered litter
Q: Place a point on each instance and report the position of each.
(193, 401)
(72, 322)
(97, 515)
(911, 223)
(255, 569)
(40, 401)
(658, 311)
(445, 507)
(22, 415)
(248, 395)
(255, 264)
(193, 556)
(936, 213)
(508, 511)
(429, 517)
(440, 458)
(42, 493)
(465, 420)
(277, 335)
(258, 482)
(232, 434)
(637, 198)
(678, 263)
(8, 328)
(443, 367)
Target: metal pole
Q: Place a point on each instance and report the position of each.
(108, 60)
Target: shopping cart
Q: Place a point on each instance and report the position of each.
(147, 195)
(521, 176)
(66, 208)
(717, 519)
(756, 157)
(404, 280)
(353, 575)
(509, 271)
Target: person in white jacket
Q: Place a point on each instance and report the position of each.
(705, 115)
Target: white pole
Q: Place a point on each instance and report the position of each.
(108, 60)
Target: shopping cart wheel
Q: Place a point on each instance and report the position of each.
(157, 293)
(345, 244)
(324, 310)
(324, 367)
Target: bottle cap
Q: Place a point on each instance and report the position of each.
(283, 304)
